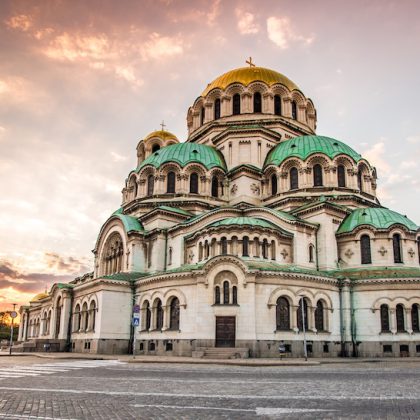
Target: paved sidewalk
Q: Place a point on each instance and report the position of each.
(196, 361)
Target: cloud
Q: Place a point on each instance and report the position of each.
(127, 73)
(246, 22)
(118, 158)
(281, 32)
(376, 156)
(76, 47)
(20, 22)
(160, 47)
(413, 139)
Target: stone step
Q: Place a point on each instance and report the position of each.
(221, 353)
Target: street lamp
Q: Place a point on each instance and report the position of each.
(305, 351)
(13, 315)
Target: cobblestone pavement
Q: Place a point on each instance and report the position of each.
(109, 389)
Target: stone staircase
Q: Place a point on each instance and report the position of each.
(221, 353)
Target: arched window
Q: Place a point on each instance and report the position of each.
(317, 175)
(170, 186)
(384, 318)
(319, 316)
(113, 254)
(202, 114)
(85, 313)
(277, 105)
(77, 319)
(194, 183)
(418, 248)
(365, 252)
(174, 314)
(200, 251)
(399, 313)
(223, 245)
(234, 295)
(311, 253)
(360, 180)
(170, 252)
(305, 314)
(396, 246)
(236, 104)
(148, 315)
(245, 246)
(150, 185)
(415, 318)
(273, 250)
(282, 314)
(294, 179)
(273, 184)
(294, 110)
(341, 176)
(257, 102)
(214, 187)
(159, 315)
(58, 309)
(225, 292)
(217, 109)
(92, 315)
(217, 295)
(155, 148)
(206, 249)
(265, 248)
(133, 187)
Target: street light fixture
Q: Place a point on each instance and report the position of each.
(13, 315)
(305, 350)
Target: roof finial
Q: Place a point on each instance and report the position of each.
(162, 124)
(249, 61)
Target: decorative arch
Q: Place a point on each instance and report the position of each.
(174, 293)
(279, 292)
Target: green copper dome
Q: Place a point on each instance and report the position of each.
(185, 153)
(304, 146)
(247, 221)
(379, 218)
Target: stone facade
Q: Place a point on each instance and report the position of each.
(253, 232)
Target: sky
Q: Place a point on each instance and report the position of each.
(81, 82)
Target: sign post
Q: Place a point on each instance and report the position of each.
(13, 315)
(135, 323)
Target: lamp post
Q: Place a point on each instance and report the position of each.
(13, 315)
(305, 351)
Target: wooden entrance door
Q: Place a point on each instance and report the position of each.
(225, 331)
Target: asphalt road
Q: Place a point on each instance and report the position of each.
(32, 388)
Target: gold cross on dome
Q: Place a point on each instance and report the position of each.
(249, 61)
(163, 125)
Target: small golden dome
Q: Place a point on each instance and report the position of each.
(39, 296)
(163, 134)
(247, 75)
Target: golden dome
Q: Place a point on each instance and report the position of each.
(163, 134)
(247, 75)
(39, 296)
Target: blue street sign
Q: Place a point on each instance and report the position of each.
(136, 322)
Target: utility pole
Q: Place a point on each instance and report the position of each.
(13, 315)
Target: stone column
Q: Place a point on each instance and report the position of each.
(268, 103)
(65, 315)
(293, 318)
(225, 106)
(409, 321)
(208, 112)
(346, 311)
(392, 321)
(287, 107)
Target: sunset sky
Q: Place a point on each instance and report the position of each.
(82, 81)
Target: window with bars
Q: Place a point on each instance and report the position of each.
(396, 246)
(384, 318)
(277, 105)
(170, 186)
(257, 102)
(341, 176)
(194, 183)
(273, 184)
(319, 316)
(217, 109)
(236, 104)
(294, 179)
(399, 313)
(150, 185)
(282, 314)
(317, 175)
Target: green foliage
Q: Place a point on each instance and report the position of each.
(5, 321)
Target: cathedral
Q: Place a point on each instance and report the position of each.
(253, 235)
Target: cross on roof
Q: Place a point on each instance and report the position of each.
(162, 124)
(249, 61)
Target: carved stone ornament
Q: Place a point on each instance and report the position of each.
(191, 256)
(284, 253)
(382, 250)
(234, 189)
(349, 253)
(411, 252)
(255, 189)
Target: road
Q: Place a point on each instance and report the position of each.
(33, 388)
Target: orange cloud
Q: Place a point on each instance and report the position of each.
(158, 47)
(20, 22)
(282, 33)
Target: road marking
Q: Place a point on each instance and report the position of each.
(28, 417)
(259, 411)
(191, 407)
(51, 368)
(217, 396)
(275, 411)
